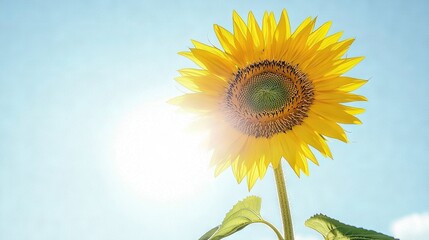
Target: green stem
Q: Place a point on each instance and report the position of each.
(279, 235)
(284, 203)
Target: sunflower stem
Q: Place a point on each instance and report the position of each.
(284, 203)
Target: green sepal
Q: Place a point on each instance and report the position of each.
(243, 213)
(332, 229)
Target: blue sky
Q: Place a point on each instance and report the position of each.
(73, 74)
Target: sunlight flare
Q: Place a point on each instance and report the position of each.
(156, 157)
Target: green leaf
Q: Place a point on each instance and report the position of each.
(242, 214)
(332, 229)
(209, 233)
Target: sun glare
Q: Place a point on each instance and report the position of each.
(156, 157)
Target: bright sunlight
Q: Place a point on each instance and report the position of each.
(156, 157)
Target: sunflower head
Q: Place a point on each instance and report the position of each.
(269, 94)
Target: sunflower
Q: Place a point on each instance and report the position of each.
(269, 94)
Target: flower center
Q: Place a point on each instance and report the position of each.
(268, 97)
(266, 92)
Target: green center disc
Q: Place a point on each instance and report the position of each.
(267, 92)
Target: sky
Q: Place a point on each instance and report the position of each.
(90, 150)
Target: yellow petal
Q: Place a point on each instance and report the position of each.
(353, 110)
(300, 159)
(226, 39)
(192, 58)
(221, 167)
(196, 102)
(345, 65)
(239, 25)
(289, 152)
(227, 141)
(193, 72)
(210, 84)
(346, 84)
(313, 139)
(218, 65)
(331, 39)
(281, 34)
(262, 167)
(338, 97)
(319, 34)
(340, 48)
(305, 149)
(299, 42)
(239, 170)
(208, 48)
(334, 112)
(283, 27)
(255, 30)
(268, 27)
(301, 27)
(240, 32)
(276, 150)
(252, 176)
(325, 127)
